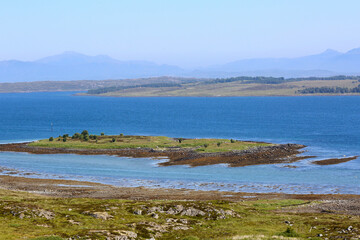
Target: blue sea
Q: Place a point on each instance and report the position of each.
(328, 126)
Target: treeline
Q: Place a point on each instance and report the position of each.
(119, 88)
(279, 80)
(329, 90)
(265, 80)
(339, 77)
(242, 79)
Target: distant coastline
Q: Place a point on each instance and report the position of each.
(196, 87)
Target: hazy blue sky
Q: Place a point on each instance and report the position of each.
(184, 32)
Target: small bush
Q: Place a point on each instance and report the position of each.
(65, 135)
(113, 140)
(206, 145)
(64, 139)
(85, 132)
(180, 140)
(289, 232)
(121, 134)
(86, 137)
(76, 136)
(51, 139)
(232, 140)
(218, 144)
(102, 134)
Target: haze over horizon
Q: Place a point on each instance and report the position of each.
(189, 34)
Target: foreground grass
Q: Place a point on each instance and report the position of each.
(155, 142)
(21, 218)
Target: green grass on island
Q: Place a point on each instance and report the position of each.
(85, 141)
(27, 216)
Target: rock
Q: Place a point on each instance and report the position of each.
(230, 213)
(138, 212)
(171, 211)
(154, 215)
(22, 215)
(102, 215)
(179, 208)
(181, 227)
(46, 214)
(73, 222)
(185, 221)
(124, 235)
(192, 212)
(319, 235)
(171, 220)
(99, 215)
(155, 209)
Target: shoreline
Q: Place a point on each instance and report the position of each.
(65, 209)
(280, 153)
(88, 189)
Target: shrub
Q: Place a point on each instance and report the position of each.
(51, 139)
(102, 134)
(93, 137)
(64, 139)
(113, 140)
(76, 136)
(180, 140)
(206, 145)
(121, 134)
(289, 232)
(59, 139)
(85, 132)
(65, 135)
(232, 140)
(218, 144)
(86, 137)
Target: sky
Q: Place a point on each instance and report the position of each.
(187, 33)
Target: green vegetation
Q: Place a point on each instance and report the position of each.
(86, 141)
(289, 232)
(177, 86)
(330, 90)
(27, 216)
(119, 88)
(235, 86)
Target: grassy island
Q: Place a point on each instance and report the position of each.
(85, 140)
(178, 151)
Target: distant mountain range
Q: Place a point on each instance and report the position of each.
(75, 66)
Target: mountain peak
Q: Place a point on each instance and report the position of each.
(330, 51)
(71, 57)
(354, 51)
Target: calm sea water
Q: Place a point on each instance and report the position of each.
(329, 126)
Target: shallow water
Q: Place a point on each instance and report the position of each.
(329, 126)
